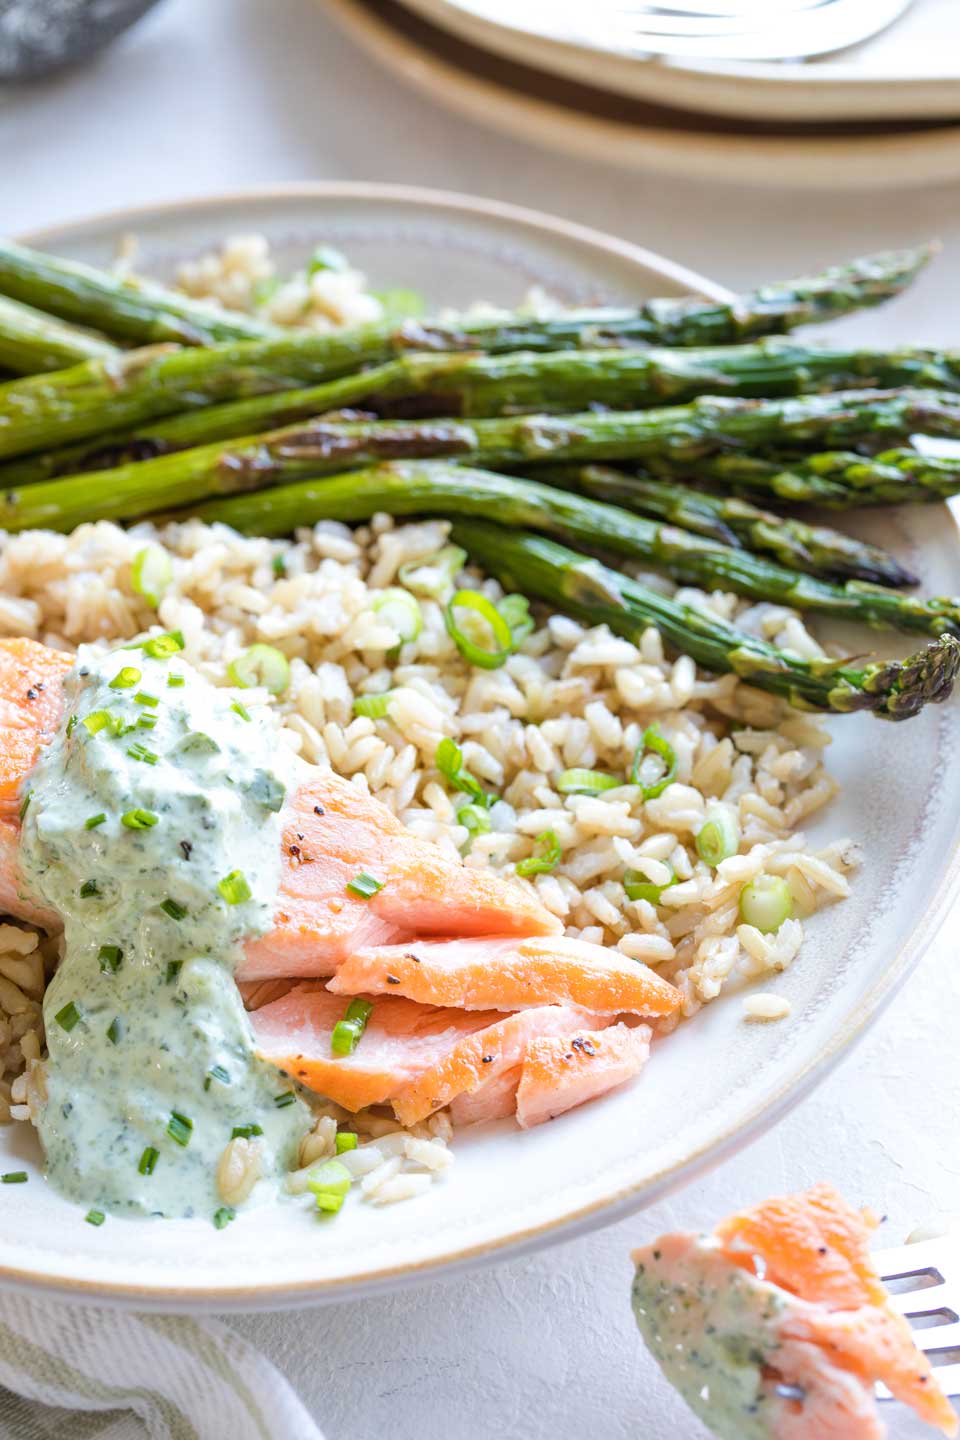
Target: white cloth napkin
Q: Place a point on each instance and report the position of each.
(71, 1373)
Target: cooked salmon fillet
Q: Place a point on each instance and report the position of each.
(559, 1073)
(507, 974)
(778, 1325)
(416, 1057)
(332, 832)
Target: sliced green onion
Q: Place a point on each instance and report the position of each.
(126, 678)
(161, 647)
(216, 1072)
(175, 910)
(111, 958)
(500, 632)
(173, 967)
(115, 1030)
(637, 887)
(325, 257)
(719, 837)
(400, 611)
(68, 1016)
(246, 1132)
(346, 1140)
(401, 304)
(364, 885)
(141, 753)
(89, 889)
(515, 609)
(374, 707)
(99, 720)
(25, 804)
(151, 573)
(174, 682)
(267, 791)
(347, 1032)
(654, 745)
(92, 821)
(329, 1184)
(94, 1217)
(449, 761)
(240, 710)
(234, 888)
(547, 860)
(285, 1098)
(180, 1128)
(148, 1160)
(14, 1177)
(263, 290)
(223, 1215)
(433, 574)
(474, 819)
(279, 567)
(147, 722)
(261, 665)
(72, 724)
(766, 902)
(586, 782)
(143, 698)
(139, 819)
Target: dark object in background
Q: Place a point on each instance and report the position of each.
(37, 36)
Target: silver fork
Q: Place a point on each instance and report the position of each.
(924, 1285)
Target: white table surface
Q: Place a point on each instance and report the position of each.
(212, 94)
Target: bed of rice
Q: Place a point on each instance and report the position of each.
(569, 697)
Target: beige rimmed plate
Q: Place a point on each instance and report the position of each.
(651, 135)
(717, 1081)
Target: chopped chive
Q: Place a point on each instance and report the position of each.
(148, 1161)
(14, 1177)
(174, 682)
(88, 889)
(111, 958)
(279, 566)
(68, 1016)
(173, 971)
(346, 1140)
(180, 1128)
(285, 1098)
(143, 698)
(547, 860)
(234, 888)
(216, 1072)
(246, 1132)
(92, 821)
(223, 1216)
(161, 647)
(364, 885)
(115, 1030)
(126, 678)
(72, 724)
(99, 720)
(94, 1217)
(654, 745)
(25, 804)
(240, 710)
(175, 910)
(139, 819)
(140, 752)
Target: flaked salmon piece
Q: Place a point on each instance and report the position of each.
(494, 1099)
(791, 1359)
(562, 1072)
(332, 832)
(508, 973)
(416, 1057)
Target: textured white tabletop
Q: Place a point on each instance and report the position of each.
(213, 94)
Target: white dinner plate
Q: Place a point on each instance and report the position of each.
(649, 135)
(909, 69)
(709, 1087)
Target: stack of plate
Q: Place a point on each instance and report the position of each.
(884, 112)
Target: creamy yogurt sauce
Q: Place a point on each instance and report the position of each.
(153, 829)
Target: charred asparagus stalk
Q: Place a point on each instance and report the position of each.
(588, 590)
(838, 480)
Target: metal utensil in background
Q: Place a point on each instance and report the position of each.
(37, 36)
(924, 1281)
